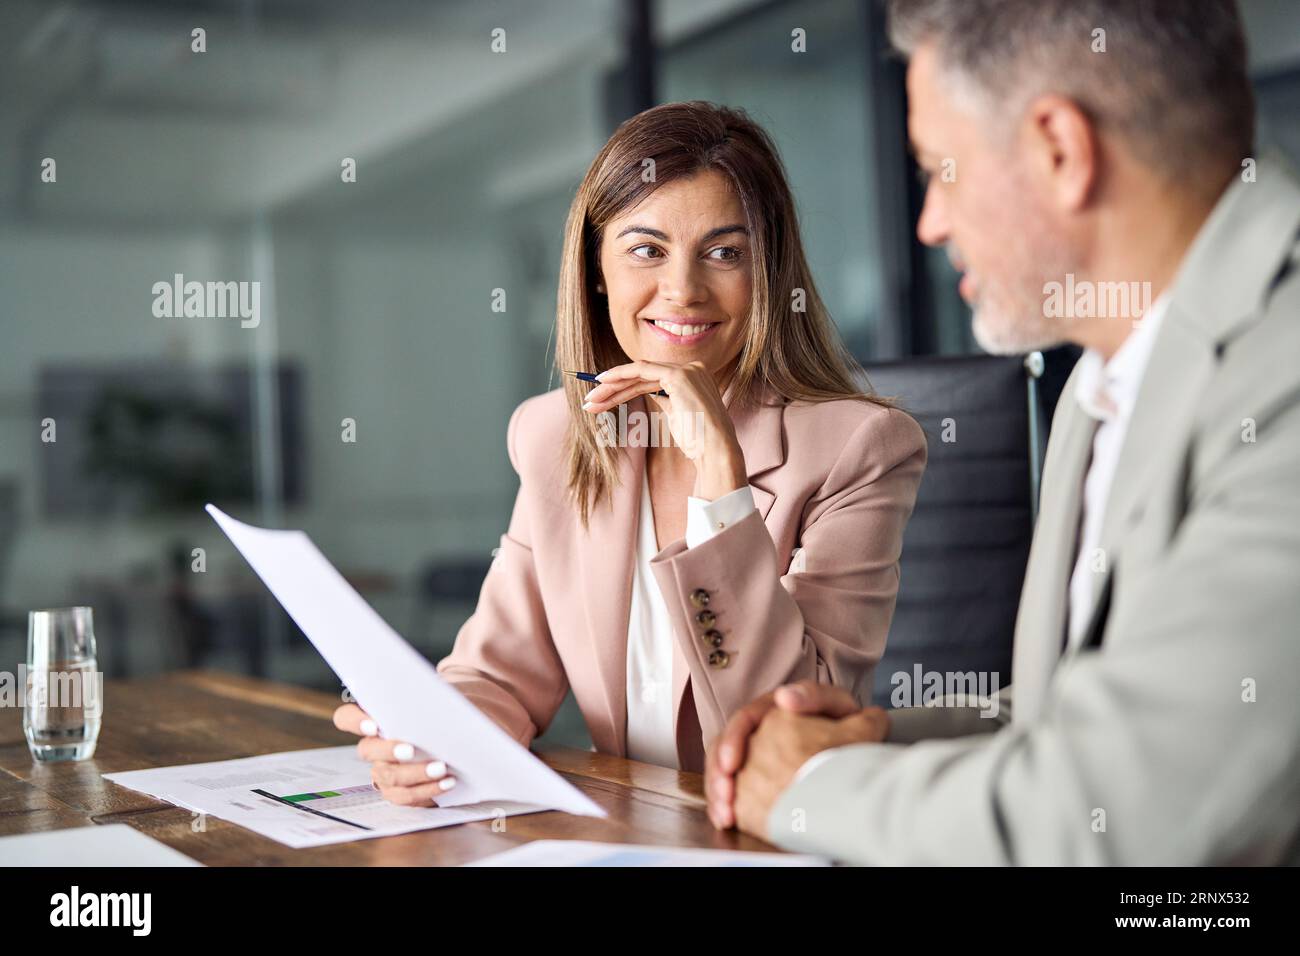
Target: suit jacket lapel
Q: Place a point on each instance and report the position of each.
(608, 562)
(1041, 621)
(1176, 375)
(760, 431)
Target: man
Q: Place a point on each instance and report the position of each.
(1088, 158)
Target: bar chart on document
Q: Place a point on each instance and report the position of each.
(302, 798)
(361, 807)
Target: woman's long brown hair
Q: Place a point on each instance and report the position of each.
(799, 354)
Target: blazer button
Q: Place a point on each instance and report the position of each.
(706, 619)
(719, 659)
(712, 638)
(700, 597)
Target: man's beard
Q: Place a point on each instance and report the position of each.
(1009, 317)
(1029, 332)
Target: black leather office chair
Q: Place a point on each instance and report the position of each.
(965, 548)
(447, 590)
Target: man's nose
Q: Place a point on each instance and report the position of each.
(932, 227)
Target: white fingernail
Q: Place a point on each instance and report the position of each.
(403, 752)
(589, 394)
(586, 406)
(436, 769)
(369, 728)
(599, 374)
(446, 783)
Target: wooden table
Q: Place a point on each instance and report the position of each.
(199, 716)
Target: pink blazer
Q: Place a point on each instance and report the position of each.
(835, 479)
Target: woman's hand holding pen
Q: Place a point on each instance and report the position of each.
(697, 418)
(402, 774)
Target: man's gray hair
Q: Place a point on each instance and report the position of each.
(1170, 76)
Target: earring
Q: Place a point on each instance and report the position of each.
(600, 287)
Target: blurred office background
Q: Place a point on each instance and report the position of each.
(376, 295)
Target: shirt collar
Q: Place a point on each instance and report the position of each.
(1106, 390)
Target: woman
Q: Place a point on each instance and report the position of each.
(724, 512)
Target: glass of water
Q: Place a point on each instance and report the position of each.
(64, 691)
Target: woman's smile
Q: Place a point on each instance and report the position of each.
(680, 332)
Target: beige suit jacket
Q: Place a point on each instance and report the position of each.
(1170, 732)
(836, 479)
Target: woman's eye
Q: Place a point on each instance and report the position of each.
(647, 252)
(725, 254)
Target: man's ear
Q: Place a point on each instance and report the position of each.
(1063, 148)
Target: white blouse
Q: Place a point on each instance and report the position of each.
(650, 719)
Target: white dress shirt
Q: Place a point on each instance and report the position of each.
(1107, 391)
(651, 735)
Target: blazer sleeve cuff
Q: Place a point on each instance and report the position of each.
(908, 725)
(733, 576)
(812, 762)
(705, 518)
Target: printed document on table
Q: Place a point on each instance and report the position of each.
(393, 682)
(302, 798)
(107, 844)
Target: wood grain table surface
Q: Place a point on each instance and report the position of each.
(200, 716)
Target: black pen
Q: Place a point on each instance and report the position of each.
(591, 377)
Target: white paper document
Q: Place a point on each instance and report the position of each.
(301, 798)
(112, 844)
(587, 853)
(393, 682)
